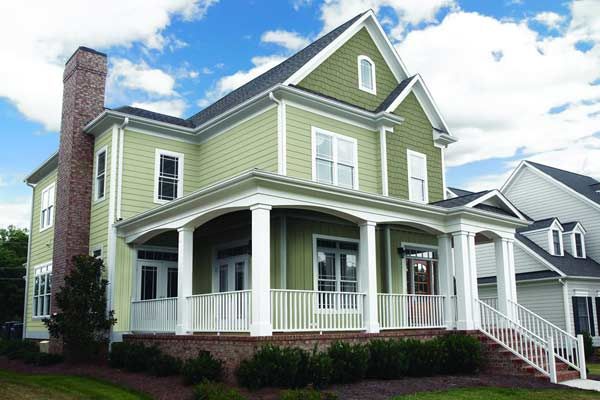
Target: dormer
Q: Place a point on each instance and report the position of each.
(548, 234)
(574, 239)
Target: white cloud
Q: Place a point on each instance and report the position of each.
(550, 19)
(291, 41)
(36, 37)
(140, 76)
(230, 82)
(15, 213)
(585, 22)
(298, 4)
(173, 107)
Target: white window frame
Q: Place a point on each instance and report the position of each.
(162, 271)
(335, 136)
(180, 169)
(361, 86)
(51, 204)
(100, 248)
(104, 150)
(410, 153)
(574, 244)
(551, 241)
(41, 270)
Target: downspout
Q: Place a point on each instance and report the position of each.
(28, 264)
(281, 135)
(565, 290)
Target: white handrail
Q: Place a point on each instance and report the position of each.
(220, 312)
(520, 341)
(490, 301)
(566, 346)
(156, 315)
(401, 311)
(309, 310)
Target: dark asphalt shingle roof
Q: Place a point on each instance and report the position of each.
(154, 116)
(395, 93)
(459, 192)
(582, 184)
(459, 201)
(569, 226)
(523, 276)
(541, 224)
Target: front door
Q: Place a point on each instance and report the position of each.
(232, 274)
(421, 276)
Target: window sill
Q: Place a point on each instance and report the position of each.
(39, 318)
(46, 228)
(373, 92)
(100, 200)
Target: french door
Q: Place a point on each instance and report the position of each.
(157, 279)
(232, 274)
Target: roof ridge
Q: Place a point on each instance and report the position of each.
(562, 170)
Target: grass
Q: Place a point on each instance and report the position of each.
(503, 394)
(594, 369)
(61, 387)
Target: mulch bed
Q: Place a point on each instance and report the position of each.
(173, 388)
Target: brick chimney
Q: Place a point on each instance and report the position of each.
(84, 81)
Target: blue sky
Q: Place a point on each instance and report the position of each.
(514, 79)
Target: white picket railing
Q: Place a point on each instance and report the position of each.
(401, 311)
(490, 301)
(567, 347)
(535, 351)
(220, 312)
(157, 315)
(309, 310)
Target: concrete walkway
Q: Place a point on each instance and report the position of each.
(585, 384)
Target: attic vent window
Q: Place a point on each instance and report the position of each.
(366, 75)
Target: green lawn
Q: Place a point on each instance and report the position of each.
(594, 369)
(503, 394)
(60, 387)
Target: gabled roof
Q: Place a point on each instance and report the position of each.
(385, 104)
(460, 200)
(44, 169)
(154, 116)
(571, 226)
(486, 200)
(523, 276)
(458, 192)
(541, 224)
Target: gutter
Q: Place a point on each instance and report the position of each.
(28, 264)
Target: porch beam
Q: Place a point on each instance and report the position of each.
(261, 271)
(368, 275)
(185, 264)
(505, 272)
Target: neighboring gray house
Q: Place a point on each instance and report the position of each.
(556, 257)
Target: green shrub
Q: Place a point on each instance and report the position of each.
(422, 356)
(17, 349)
(588, 345)
(203, 367)
(387, 359)
(461, 354)
(215, 391)
(42, 359)
(306, 394)
(277, 367)
(118, 354)
(134, 357)
(349, 362)
(165, 365)
(320, 367)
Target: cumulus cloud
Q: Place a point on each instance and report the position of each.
(36, 37)
(140, 76)
(585, 21)
(173, 107)
(550, 19)
(15, 213)
(291, 41)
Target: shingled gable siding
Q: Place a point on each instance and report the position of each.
(337, 76)
(99, 209)
(415, 133)
(41, 247)
(299, 147)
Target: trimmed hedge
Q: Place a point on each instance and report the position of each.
(349, 362)
(202, 368)
(16, 349)
(136, 357)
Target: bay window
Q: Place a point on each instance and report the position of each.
(334, 159)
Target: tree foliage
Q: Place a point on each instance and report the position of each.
(13, 255)
(82, 322)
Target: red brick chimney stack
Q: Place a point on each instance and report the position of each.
(84, 81)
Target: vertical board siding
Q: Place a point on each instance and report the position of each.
(99, 209)
(539, 199)
(42, 244)
(486, 260)
(299, 147)
(123, 285)
(415, 133)
(337, 76)
(398, 236)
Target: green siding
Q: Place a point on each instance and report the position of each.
(251, 144)
(42, 244)
(99, 209)
(299, 147)
(122, 294)
(415, 133)
(337, 76)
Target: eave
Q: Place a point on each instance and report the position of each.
(44, 169)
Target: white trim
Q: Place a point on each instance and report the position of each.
(553, 228)
(44, 269)
(120, 174)
(103, 149)
(180, 156)
(317, 236)
(361, 85)
(446, 190)
(535, 255)
(283, 252)
(409, 153)
(36, 334)
(281, 136)
(574, 244)
(247, 258)
(97, 247)
(500, 197)
(48, 188)
(161, 274)
(383, 156)
(335, 137)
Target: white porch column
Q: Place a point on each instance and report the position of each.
(368, 275)
(185, 264)
(261, 271)
(446, 276)
(505, 273)
(466, 280)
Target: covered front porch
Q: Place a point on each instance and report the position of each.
(299, 264)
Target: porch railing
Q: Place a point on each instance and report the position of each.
(308, 310)
(157, 315)
(220, 312)
(490, 301)
(402, 311)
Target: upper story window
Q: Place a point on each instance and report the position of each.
(417, 177)
(366, 75)
(578, 245)
(556, 243)
(168, 170)
(334, 159)
(100, 174)
(41, 291)
(47, 207)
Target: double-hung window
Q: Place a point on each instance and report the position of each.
(41, 291)
(336, 271)
(168, 176)
(417, 177)
(334, 160)
(579, 245)
(556, 243)
(583, 315)
(366, 75)
(47, 207)
(100, 174)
